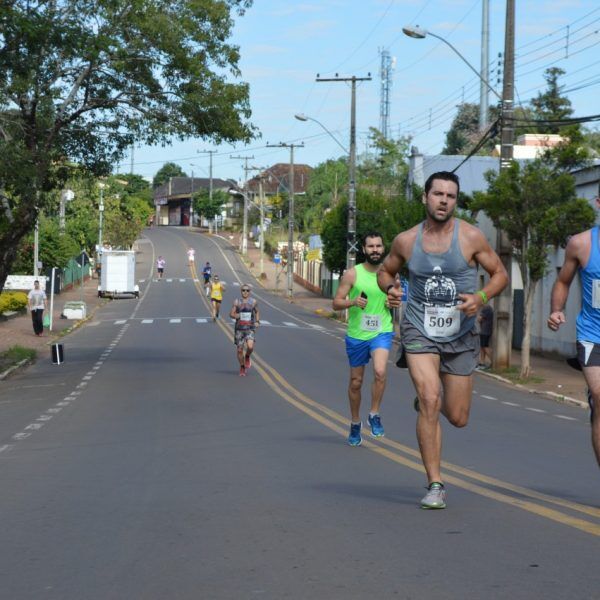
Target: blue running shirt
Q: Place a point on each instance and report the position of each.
(588, 320)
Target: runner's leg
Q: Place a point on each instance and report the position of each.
(424, 371)
(456, 399)
(592, 378)
(354, 388)
(380, 358)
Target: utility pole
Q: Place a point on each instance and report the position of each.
(502, 336)
(290, 251)
(261, 198)
(485, 61)
(244, 245)
(262, 225)
(351, 244)
(210, 177)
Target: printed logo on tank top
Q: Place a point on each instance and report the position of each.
(441, 317)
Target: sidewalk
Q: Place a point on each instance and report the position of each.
(551, 377)
(18, 331)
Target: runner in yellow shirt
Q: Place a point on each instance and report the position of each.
(216, 296)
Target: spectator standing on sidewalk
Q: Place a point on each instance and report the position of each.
(583, 255)
(485, 318)
(37, 304)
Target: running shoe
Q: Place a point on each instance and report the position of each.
(247, 362)
(376, 426)
(355, 439)
(242, 372)
(591, 403)
(435, 496)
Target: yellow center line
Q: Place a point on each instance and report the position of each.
(329, 418)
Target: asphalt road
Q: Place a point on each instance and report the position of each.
(145, 468)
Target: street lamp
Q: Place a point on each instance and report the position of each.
(502, 335)
(351, 226)
(303, 117)
(419, 33)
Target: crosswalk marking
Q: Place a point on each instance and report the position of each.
(290, 324)
(263, 322)
(169, 281)
(147, 321)
(174, 320)
(121, 322)
(182, 280)
(201, 320)
(316, 326)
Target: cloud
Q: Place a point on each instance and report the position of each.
(312, 29)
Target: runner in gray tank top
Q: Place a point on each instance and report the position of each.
(439, 335)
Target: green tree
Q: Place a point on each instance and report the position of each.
(374, 213)
(167, 171)
(80, 81)
(207, 207)
(464, 132)
(387, 170)
(537, 207)
(55, 249)
(124, 219)
(551, 104)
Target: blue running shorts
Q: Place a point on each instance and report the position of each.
(359, 351)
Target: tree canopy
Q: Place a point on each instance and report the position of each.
(81, 80)
(167, 171)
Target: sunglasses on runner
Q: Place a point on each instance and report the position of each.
(244, 290)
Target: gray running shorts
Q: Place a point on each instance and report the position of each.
(458, 357)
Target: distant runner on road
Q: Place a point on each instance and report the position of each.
(216, 296)
(191, 253)
(206, 273)
(160, 266)
(247, 318)
(370, 333)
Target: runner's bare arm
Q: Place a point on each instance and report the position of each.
(256, 315)
(560, 289)
(484, 255)
(341, 302)
(233, 312)
(386, 276)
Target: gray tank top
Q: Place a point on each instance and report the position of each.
(435, 280)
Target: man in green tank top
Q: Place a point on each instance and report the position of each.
(369, 334)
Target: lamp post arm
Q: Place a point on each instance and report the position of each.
(466, 62)
(331, 135)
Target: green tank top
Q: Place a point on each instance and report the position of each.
(367, 323)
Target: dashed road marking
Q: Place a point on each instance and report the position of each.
(488, 397)
(510, 403)
(564, 417)
(174, 320)
(536, 410)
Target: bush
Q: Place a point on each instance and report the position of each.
(12, 301)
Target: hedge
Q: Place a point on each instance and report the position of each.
(12, 301)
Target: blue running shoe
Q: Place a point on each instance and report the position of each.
(354, 439)
(376, 426)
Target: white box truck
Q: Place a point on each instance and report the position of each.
(117, 274)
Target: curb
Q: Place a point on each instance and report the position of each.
(552, 395)
(21, 363)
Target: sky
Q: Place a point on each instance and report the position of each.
(285, 44)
